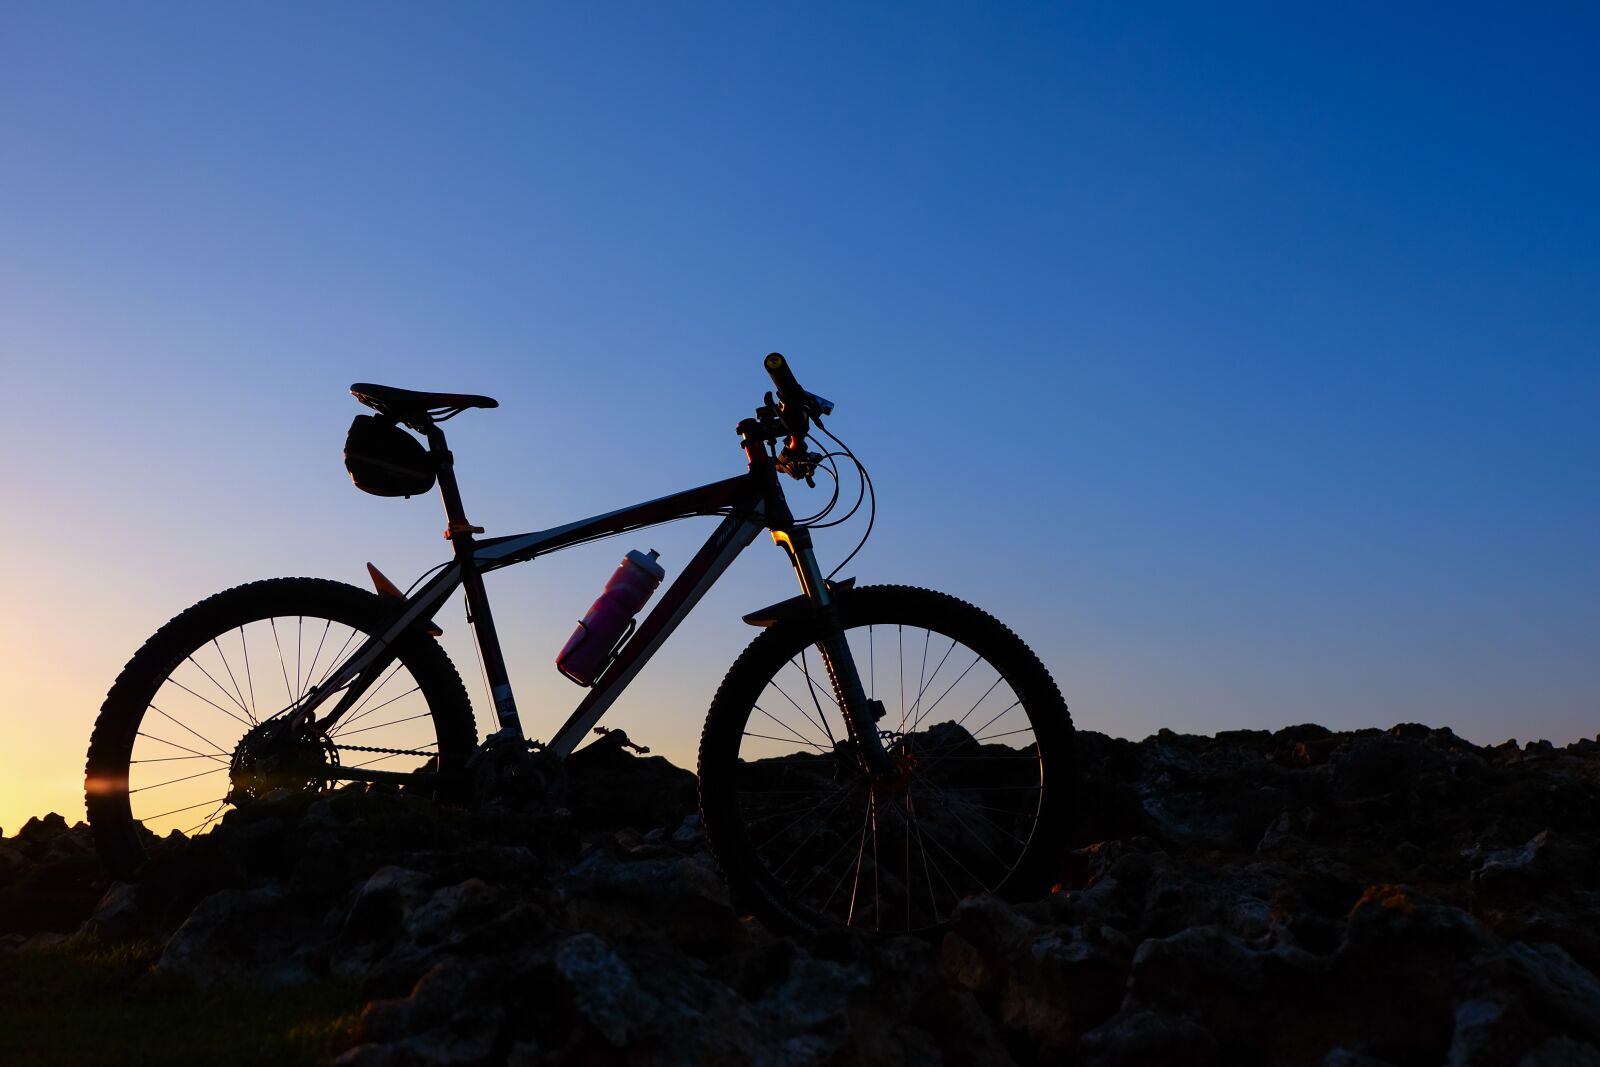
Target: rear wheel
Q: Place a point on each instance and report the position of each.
(168, 751)
(982, 745)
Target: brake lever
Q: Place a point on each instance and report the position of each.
(798, 464)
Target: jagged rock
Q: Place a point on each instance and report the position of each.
(47, 877)
(1147, 1039)
(254, 936)
(1051, 983)
(609, 789)
(120, 916)
(1381, 897)
(643, 890)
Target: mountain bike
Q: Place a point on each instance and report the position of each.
(876, 754)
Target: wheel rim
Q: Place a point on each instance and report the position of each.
(956, 819)
(190, 729)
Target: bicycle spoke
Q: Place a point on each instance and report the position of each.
(782, 740)
(377, 707)
(396, 722)
(169, 759)
(327, 624)
(785, 829)
(337, 660)
(957, 861)
(174, 744)
(855, 888)
(189, 807)
(175, 781)
(220, 687)
(807, 839)
(802, 809)
(811, 687)
(356, 713)
(823, 867)
(249, 680)
(922, 671)
(936, 703)
(1008, 733)
(216, 812)
(922, 846)
(282, 666)
(977, 734)
(197, 733)
(213, 703)
(952, 806)
(237, 692)
(793, 732)
(922, 690)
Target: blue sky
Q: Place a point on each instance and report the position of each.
(1243, 359)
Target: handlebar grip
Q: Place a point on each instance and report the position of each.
(792, 405)
(789, 390)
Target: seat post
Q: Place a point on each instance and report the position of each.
(449, 490)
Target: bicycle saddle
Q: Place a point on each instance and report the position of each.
(406, 404)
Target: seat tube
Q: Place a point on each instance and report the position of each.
(459, 532)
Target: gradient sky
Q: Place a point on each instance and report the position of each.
(1245, 360)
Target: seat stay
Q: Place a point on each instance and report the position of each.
(419, 609)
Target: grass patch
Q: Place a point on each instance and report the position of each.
(100, 1004)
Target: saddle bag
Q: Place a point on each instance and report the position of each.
(384, 460)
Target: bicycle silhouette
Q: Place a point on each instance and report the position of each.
(876, 754)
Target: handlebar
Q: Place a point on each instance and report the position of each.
(796, 409)
(792, 407)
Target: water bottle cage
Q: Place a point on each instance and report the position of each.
(611, 656)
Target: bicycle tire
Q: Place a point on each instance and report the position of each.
(740, 787)
(118, 833)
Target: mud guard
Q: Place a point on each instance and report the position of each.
(795, 607)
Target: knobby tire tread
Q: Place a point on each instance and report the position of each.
(912, 605)
(110, 745)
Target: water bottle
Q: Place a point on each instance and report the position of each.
(588, 650)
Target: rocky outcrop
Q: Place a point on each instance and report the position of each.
(1295, 897)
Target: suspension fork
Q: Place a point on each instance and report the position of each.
(861, 713)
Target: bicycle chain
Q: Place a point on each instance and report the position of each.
(390, 751)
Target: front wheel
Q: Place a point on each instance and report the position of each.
(981, 743)
(169, 750)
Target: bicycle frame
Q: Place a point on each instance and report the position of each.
(748, 503)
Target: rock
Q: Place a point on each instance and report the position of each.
(1147, 1039)
(609, 788)
(603, 988)
(679, 897)
(1357, 899)
(240, 936)
(119, 916)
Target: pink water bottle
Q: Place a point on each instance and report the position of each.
(588, 650)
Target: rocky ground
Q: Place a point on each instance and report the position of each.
(1393, 897)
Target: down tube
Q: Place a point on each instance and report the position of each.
(730, 538)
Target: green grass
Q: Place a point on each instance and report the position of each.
(95, 1004)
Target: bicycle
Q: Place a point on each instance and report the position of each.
(816, 813)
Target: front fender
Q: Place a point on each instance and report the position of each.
(796, 607)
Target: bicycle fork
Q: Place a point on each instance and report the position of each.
(861, 713)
